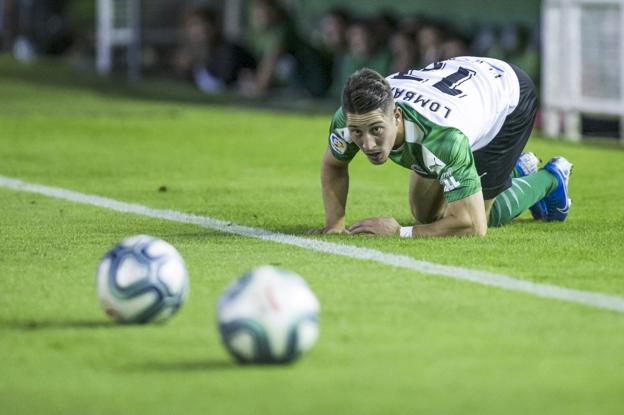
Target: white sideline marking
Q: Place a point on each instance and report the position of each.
(598, 300)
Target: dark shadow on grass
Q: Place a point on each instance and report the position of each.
(296, 230)
(527, 221)
(36, 325)
(210, 234)
(213, 365)
(184, 366)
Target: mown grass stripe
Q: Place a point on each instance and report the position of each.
(593, 299)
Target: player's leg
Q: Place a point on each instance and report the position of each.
(426, 198)
(524, 193)
(527, 164)
(506, 198)
(556, 204)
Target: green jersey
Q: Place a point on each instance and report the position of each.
(431, 151)
(450, 109)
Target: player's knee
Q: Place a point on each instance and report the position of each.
(480, 231)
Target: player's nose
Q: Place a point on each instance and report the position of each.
(368, 143)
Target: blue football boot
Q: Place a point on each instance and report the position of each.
(558, 202)
(527, 164)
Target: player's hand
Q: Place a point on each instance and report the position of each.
(376, 226)
(328, 230)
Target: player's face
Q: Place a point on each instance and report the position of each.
(374, 133)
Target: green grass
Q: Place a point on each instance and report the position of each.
(392, 340)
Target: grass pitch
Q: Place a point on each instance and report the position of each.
(392, 340)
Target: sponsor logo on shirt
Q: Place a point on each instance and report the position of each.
(338, 144)
(434, 164)
(418, 170)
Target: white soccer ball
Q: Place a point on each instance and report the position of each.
(268, 315)
(141, 279)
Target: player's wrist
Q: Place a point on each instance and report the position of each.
(335, 224)
(405, 231)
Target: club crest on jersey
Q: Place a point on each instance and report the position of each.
(338, 144)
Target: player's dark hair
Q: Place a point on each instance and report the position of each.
(366, 91)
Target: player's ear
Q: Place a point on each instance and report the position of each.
(398, 115)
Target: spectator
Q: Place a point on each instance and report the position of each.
(518, 48)
(411, 23)
(454, 45)
(430, 38)
(205, 56)
(361, 53)
(333, 38)
(35, 27)
(285, 59)
(383, 25)
(404, 51)
(486, 42)
(333, 31)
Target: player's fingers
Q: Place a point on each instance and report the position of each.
(358, 225)
(354, 228)
(359, 229)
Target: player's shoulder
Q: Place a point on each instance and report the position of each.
(339, 139)
(339, 125)
(446, 134)
(339, 119)
(447, 141)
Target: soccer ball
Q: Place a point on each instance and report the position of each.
(141, 279)
(268, 315)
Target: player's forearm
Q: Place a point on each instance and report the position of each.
(450, 225)
(335, 185)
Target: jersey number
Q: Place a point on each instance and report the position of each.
(448, 84)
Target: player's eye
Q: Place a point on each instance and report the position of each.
(377, 130)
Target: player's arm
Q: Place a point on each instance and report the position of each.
(335, 187)
(465, 210)
(463, 217)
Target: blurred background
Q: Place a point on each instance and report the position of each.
(297, 54)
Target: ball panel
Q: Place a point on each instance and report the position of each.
(164, 313)
(242, 344)
(307, 333)
(131, 310)
(238, 333)
(159, 248)
(172, 273)
(134, 286)
(130, 270)
(136, 240)
(282, 308)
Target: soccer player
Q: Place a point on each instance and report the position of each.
(460, 126)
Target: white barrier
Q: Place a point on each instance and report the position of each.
(118, 25)
(582, 63)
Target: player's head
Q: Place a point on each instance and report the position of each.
(372, 118)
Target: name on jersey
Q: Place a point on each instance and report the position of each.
(419, 99)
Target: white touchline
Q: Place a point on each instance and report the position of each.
(598, 300)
